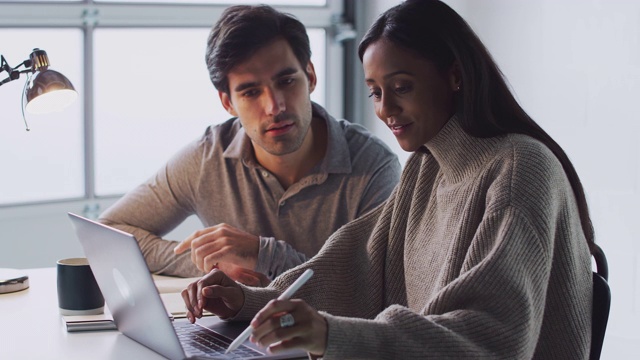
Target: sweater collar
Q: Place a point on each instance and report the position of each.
(458, 153)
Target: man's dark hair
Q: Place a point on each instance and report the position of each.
(242, 30)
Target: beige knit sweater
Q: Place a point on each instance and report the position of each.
(478, 253)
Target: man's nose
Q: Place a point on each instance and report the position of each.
(274, 102)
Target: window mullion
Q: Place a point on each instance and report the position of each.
(89, 138)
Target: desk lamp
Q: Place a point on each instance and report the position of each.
(46, 90)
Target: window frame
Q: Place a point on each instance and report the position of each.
(89, 15)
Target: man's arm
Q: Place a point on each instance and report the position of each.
(156, 207)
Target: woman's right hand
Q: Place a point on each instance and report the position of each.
(214, 292)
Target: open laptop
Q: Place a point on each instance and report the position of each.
(138, 312)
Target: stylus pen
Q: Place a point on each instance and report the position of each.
(284, 296)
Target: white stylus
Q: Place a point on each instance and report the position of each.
(284, 296)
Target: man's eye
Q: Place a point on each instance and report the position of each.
(250, 93)
(286, 81)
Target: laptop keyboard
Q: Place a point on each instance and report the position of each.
(198, 341)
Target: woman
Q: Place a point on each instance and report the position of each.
(481, 251)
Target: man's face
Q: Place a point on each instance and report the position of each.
(269, 92)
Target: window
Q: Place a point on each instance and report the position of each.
(45, 163)
(144, 91)
(186, 2)
(152, 96)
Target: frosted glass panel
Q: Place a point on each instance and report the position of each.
(41, 1)
(226, 2)
(45, 163)
(317, 38)
(152, 96)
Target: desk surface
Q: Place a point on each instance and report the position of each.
(31, 328)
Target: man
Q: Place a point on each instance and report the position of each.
(272, 183)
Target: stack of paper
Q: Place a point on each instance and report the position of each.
(170, 289)
(89, 322)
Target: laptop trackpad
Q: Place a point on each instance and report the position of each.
(230, 329)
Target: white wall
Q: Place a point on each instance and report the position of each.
(35, 236)
(575, 67)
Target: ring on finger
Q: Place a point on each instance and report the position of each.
(287, 320)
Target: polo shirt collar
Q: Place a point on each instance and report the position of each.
(336, 160)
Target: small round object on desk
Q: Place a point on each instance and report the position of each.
(12, 280)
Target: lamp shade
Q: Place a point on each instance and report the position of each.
(49, 91)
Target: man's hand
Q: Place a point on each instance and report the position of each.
(220, 246)
(214, 292)
(246, 276)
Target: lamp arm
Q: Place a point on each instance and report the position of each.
(14, 73)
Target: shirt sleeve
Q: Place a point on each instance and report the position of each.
(381, 184)
(156, 207)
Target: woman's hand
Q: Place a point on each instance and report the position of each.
(214, 292)
(301, 326)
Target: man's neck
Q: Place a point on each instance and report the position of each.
(290, 168)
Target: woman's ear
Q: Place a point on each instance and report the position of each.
(455, 76)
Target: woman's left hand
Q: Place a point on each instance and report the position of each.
(288, 324)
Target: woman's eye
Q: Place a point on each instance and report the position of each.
(402, 89)
(374, 94)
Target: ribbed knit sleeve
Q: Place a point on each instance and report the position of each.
(349, 272)
(485, 312)
(478, 253)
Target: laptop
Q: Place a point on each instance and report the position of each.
(137, 308)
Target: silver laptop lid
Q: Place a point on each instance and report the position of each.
(127, 286)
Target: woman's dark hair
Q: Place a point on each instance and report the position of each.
(486, 106)
(244, 29)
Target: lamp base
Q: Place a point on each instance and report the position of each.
(12, 280)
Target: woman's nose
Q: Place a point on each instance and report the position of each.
(387, 107)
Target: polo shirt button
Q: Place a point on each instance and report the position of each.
(282, 203)
(265, 174)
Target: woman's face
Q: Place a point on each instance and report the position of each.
(409, 93)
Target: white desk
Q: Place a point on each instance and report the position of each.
(31, 328)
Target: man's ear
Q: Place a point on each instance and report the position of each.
(311, 75)
(225, 99)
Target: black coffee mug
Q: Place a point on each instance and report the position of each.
(78, 291)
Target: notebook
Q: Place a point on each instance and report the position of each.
(169, 289)
(137, 309)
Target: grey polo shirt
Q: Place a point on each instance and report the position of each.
(218, 179)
